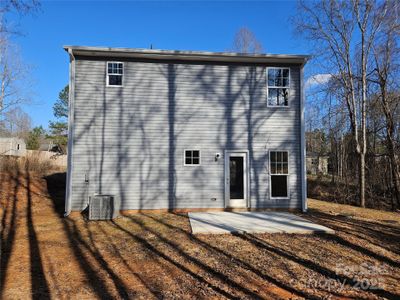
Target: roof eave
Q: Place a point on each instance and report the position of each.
(186, 55)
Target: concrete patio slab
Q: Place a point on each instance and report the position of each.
(252, 222)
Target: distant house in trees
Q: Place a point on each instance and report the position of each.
(12, 146)
(49, 146)
(317, 164)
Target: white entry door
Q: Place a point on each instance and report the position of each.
(236, 179)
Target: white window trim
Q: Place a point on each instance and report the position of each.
(278, 87)
(184, 157)
(287, 175)
(227, 154)
(123, 74)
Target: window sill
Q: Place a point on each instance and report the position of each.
(280, 198)
(278, 106)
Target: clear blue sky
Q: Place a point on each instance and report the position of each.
(190, 25)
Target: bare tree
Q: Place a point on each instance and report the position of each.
(18, 123)
(14, 83)
(369, 16)
(246, 42)
(386, 59)
(342, 32)
(21, 7)
(14, 86)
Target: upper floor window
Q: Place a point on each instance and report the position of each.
(115, 72)
(278, 80)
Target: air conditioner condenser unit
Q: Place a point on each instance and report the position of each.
(103, 207)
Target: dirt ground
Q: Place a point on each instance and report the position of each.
(152, 255)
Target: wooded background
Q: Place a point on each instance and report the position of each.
(353, 107)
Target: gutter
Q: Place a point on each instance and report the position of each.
(303, 145)
(68, 191)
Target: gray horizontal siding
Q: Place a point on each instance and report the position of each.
(130, 140)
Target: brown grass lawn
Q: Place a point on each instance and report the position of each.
(152, 255)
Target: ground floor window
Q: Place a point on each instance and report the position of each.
(191, 157)
(279, 174)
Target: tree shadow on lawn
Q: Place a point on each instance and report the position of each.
(310, 264)
(40, 287)
(274, 250)
(371, 234)
(167, 249)
(20, 190)
(8, 222)
(81, 247)
(225, 255)
(175, 247)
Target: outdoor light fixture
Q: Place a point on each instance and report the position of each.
(217, 156)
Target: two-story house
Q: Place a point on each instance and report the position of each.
(186, 130)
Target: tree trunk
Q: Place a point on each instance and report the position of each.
(342, 155)
(362, 179)
(363, 117)
(395, 172)
(390, 129)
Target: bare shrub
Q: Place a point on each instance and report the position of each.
(31, 163)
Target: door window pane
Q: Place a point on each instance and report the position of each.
(236, 177)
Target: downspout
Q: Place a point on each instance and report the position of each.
(71, 95)
(302, 144)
